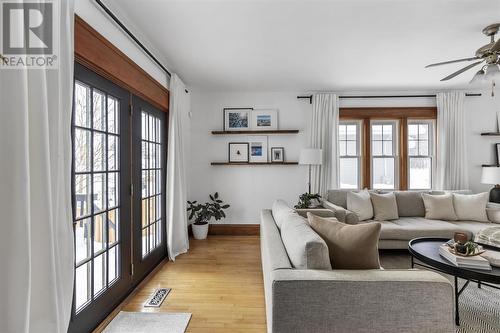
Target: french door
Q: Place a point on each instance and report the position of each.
(101, 197)
(149, 158)
(118, 182)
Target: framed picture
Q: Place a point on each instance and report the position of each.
(238, 152)
(277, 155)
(237, 119)
(497, 145)
(264, 119)
(258, 149)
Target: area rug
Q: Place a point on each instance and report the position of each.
(479, 307)
(148, 322)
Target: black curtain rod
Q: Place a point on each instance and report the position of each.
(131, 35)
(309, 97)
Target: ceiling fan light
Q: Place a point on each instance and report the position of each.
(478, 77)
(492, 72)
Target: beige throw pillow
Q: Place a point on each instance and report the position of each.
(360, 204)
(471, 207)
(349, 246)
(385, 206)
(439, 207)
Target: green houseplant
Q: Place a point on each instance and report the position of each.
(202, 213)
(308, 200)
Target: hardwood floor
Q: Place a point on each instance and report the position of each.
(219, 281)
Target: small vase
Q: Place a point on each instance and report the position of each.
(200, 231)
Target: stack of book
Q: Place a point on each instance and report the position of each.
(471, 262)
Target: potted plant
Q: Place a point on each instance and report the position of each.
(308, 200)
(203, 213)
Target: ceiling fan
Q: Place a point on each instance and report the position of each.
(488, 54)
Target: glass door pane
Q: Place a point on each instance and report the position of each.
(149, 149)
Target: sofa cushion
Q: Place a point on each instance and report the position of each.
(471, 206)
(410, 203)
(439, 207)
(350, 246)
(338, 197)
(360, 204)
(384, 206)
(407, 228)
(281, 212)
(305, 248)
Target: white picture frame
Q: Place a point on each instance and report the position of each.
(237, 119)
(264, 119)
(258, 149)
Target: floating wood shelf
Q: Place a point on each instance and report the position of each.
(490, 134)
(290, 131)
(254, 163)
(490, 165)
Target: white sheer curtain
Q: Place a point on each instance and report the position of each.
(451, 162)
(180, 105)
(324, 135)
(36, 241)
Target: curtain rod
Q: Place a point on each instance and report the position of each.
(309, 97)
(131, 35)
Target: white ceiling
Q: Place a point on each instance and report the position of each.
(312, 45)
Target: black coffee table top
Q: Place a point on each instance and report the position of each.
(426, 250)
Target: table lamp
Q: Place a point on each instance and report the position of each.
(311, 156)
(491, 176)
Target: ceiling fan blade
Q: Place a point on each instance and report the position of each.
(451, 62)
(460, 71)
(496, 46)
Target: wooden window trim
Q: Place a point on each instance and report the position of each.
(402, 114)
(95, 52)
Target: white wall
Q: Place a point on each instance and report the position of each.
(250, 188)
(93, 15)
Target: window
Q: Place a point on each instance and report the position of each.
(384, 153)
(386, 148)
(420, 144)
(350, 157)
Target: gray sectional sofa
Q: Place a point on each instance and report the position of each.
(304, 295)
(411, 224)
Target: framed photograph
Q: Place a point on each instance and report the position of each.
(497, 145)
(237, 119)
(258, 149)
(277, 155)
(238, 152)
(264, 119)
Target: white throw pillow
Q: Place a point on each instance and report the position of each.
(439, 207)
(471, 207)
(385, 206)
(360, 204)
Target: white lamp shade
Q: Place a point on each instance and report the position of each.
(491, 175)
(492, 72)
(311, 156)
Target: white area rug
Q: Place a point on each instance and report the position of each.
(148, 322)
(479, 308)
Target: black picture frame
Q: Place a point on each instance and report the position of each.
(224, 111)
(282, 149)
(245, 144)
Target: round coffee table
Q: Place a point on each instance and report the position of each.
(426, 251)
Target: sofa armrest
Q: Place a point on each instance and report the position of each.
(322, 212)
(342, 214)
(411, 301)
(493, 212)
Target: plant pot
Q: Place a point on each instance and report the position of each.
(200, 231)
